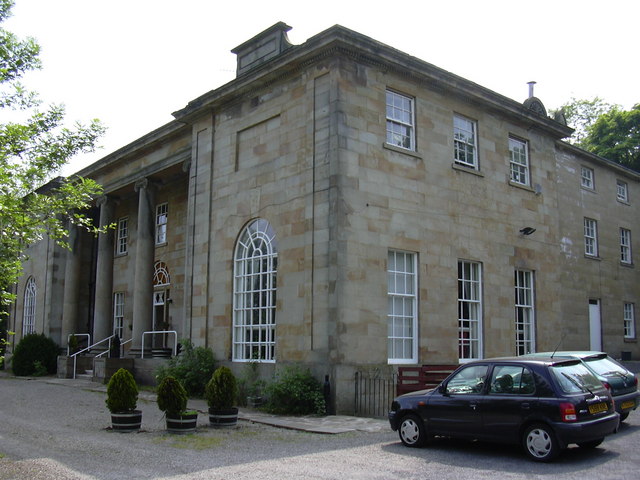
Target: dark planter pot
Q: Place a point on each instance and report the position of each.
(126, 421)
(182, 423)
(223, 417)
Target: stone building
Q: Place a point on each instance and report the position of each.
(345, 206)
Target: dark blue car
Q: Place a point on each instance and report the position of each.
(543, 403)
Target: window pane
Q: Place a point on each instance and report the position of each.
(255, 293)
(464, 141)
(402, 301)
(400, 121)
(469, 310)
(524, 312)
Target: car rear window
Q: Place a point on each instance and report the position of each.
(604, 366)
(574, 378)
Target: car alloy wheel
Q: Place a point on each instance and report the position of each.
(412, 431)
(540, 443)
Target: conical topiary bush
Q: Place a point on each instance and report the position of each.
(172, 400)
(221, 392)
(122, 399)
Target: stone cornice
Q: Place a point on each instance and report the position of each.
(342, 42)
(135, 148)
(597, 159)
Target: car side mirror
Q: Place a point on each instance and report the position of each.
(442, 389)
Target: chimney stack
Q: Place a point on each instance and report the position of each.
(531, 84)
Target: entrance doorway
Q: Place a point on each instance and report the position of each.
(595, 325)
(161, 303)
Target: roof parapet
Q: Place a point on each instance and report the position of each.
(264, 46)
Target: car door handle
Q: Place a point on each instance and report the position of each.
(524, 406)
(473, 406)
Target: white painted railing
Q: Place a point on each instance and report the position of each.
(77, 335)
(75, 355)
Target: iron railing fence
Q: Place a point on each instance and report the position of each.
(374, 393)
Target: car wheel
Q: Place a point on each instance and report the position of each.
(623, 416)
(412, 431)
(591, 444)
(540, 443)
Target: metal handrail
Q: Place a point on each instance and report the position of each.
(77, 335)
(175, 340)
(75, 355)
(109, 349)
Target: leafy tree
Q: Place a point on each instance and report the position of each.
(33, 148)
(615, 135)
(581, 114)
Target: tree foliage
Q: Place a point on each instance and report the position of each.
(34, 146)
(581, 114)
(615, 135)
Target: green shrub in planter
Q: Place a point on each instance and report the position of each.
(222, 389)
(34, 348)
(172, 400)
(122, 392)
(122, 398)
(172, 397)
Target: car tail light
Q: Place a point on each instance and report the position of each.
(607, 386)
(568, 412)
(635, 380)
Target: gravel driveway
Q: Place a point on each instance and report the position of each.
(50, 431)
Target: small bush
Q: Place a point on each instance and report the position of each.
(294, 391)
(221, 391)
(122, 392)
(192, 368)
(39, 369)
(172, 397)
(33, 348)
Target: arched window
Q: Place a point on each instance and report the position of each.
(254, 293)
(161, 275)
(29, 307)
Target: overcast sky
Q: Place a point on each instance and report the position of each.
(131, 63)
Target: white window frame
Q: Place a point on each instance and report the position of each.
(402, 316)
(29, 307)
(122, 236)
(590, 237)
(629, 321)
(469, 310)
(465, 142)
(118, 314)
(519, 161)
(625, 246)
(254, 294)
(525, 315)
(162, 213)
(622, 191)
(400, 111)
(587, 178)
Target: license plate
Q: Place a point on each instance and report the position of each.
(597, 408)
(628, 404)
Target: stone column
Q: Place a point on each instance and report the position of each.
(102, 312)
(143, 274)
(71, 286)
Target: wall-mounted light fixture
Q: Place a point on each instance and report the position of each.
(527, 230)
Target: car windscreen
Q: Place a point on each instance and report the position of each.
(604, 366)
(574, 378)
